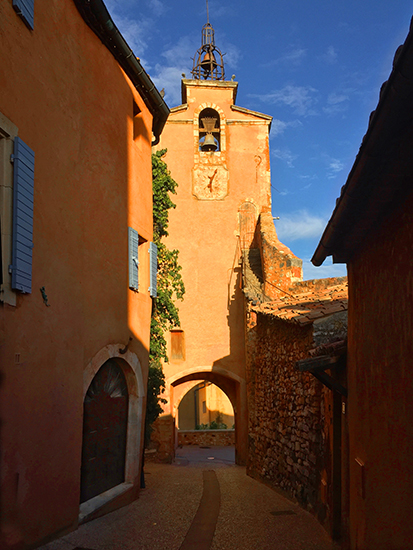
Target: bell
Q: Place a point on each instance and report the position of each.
(209, 62)
(209, 143)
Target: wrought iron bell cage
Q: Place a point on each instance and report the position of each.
(208, 61)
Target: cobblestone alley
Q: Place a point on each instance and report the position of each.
(203, 501)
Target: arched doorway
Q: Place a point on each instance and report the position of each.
(105, 420)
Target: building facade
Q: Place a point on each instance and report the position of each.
(77, 117)
(219, 155)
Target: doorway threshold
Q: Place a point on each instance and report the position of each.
(91, 506)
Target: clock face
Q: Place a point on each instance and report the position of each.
(210, 182)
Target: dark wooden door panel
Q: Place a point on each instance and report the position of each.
(105, 415)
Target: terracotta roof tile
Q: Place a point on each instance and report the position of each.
(307, 306)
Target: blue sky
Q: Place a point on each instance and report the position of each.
(316, 67)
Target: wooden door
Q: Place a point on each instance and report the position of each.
(105, 417)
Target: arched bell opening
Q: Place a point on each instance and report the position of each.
(209, 131)
(105, 424)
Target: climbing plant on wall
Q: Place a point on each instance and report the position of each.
(171, 288)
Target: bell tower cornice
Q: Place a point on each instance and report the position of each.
(189, 87)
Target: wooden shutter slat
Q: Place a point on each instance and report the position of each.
(23, 193)
(25, 8)
(153, 269)
(133, 237)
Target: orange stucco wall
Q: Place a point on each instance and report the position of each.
(73, 106)
(205, 228)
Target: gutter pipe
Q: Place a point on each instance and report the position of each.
(97, 17)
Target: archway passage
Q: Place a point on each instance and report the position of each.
(105, 417)
(205, 406)
(234, 388)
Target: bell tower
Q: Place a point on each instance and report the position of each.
(218, 153)
(209, 61)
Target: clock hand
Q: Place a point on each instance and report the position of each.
(209, 186)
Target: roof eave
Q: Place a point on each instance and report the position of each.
(97, 17)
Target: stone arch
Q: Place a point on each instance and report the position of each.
(131, 368)
(180, 396)
(232, 385)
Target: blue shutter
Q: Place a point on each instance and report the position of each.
(133, 258)
(25, 8)
(153, 269)
(23, 190)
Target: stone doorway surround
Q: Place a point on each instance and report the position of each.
(130, 365)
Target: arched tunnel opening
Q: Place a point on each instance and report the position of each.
(210, 402)
(205, 407)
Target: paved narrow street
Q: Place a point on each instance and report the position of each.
(203, 501)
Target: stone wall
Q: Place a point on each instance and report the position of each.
(280, 267)
(210, 438)
(286, 410)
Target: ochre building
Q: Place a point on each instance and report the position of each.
(218, 153)
(77, 117)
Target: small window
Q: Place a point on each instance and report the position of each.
(204, 407)
(209, 131)
(177, 345)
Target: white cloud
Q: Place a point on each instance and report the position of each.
(158, 7)
(299, 225)
(169, 79)
(336, 103)
(328, 269)
(136, 33)
(300, 98)
(330, 56)
(180, 52)
(286, 155)
(334, 167)
(279, 126)
(217, 10)
(232, 55)
(294, 56)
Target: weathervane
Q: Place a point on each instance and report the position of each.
(206, 65)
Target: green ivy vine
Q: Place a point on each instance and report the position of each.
(165, 314)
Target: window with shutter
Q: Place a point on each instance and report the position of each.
(8, 133)
(23, 195)
(153, 269)
(133, 259)
(25, 8)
